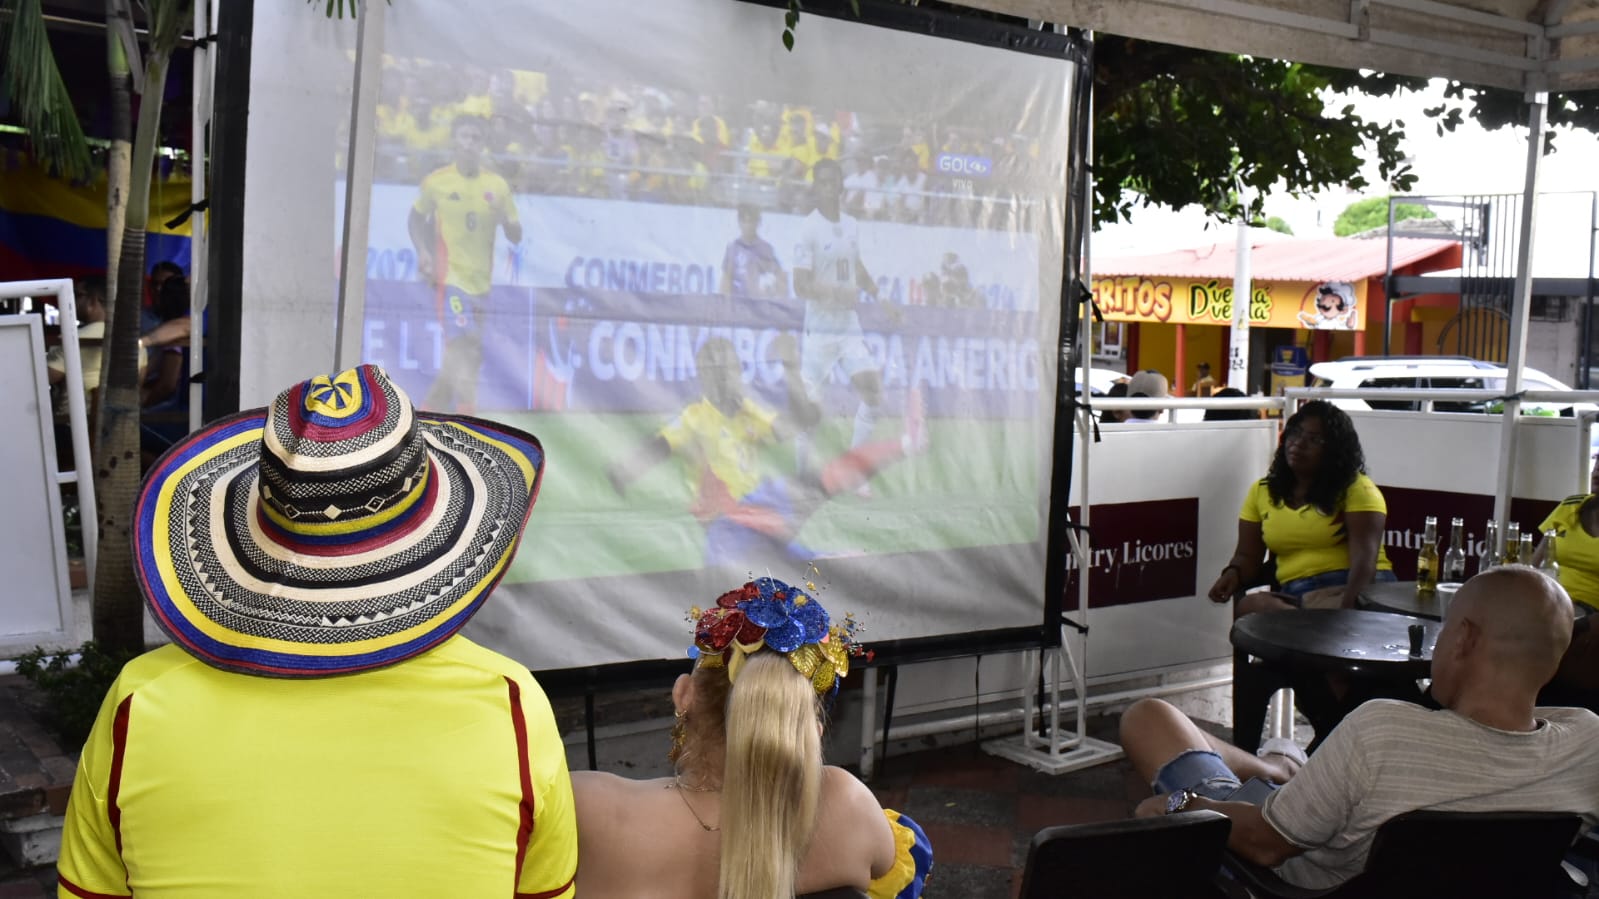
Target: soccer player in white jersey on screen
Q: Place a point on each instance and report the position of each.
(830, 277)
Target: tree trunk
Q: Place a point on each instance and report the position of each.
(118, 164)
(118, 609)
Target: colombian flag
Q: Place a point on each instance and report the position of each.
(50, 228)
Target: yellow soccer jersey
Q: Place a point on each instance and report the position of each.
(726, 444)
(1577, 553)
(466, 212)
(443, 775)
(1305, 541)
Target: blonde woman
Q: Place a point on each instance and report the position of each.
(751, 811)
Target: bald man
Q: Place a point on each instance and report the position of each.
(1488, 749)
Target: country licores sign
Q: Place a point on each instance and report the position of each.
(1139, 552)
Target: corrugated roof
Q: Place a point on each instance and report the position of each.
(1328, 259)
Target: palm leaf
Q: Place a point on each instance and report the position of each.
(168, 20)
(30, 76)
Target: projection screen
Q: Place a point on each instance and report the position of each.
(768, 312)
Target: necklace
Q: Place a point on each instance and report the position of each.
(677, 783)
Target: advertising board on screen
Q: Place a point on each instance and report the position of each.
(768, 312)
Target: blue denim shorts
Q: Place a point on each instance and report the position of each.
(1199, 771)
(1298, 587)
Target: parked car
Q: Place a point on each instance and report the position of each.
(1435, 372)
(1099, 380)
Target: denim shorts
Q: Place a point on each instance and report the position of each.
(1198, 771)
(1298, 587)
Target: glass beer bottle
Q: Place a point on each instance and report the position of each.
(1454, 570)
(1427, 562)
(1489, 557)
(1550, 565)
(1512, 543)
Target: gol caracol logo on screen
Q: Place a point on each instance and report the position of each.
(1141, 552)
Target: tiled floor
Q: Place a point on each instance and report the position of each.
(980, 811)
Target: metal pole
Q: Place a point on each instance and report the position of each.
(1521, 302)
(1238, 352)
(1387, 287)
(359, 161)
(200, 117)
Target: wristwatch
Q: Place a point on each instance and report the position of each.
(1178, 801)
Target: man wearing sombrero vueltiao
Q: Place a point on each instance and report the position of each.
(317, 728)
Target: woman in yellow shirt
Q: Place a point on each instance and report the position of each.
(1322, 519)
(1318, 514)
(1575, 523)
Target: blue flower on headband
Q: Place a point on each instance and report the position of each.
(791, 618)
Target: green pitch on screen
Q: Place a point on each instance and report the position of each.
(977, 485)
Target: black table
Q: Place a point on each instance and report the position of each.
(1347, 641)
(1400, 596)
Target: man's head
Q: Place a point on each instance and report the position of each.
(1204, 369)
(1117, 389)
(1149, 383)
(1502, 640)
(89, 294)
(828, 180)
(344, 453)
(163, 270)
(721, 374)
(749, 221)
(469, 133)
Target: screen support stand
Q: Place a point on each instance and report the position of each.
(1057, 751)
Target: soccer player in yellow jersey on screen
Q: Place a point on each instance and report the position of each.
(452, 226)
(744, 508)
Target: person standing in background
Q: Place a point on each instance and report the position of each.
(1206, 385)
(750, 267)
(453, 225)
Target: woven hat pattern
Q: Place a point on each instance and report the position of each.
(334, 532)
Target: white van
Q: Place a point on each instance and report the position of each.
(1434, 372)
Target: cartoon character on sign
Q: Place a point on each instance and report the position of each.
(1335, 308)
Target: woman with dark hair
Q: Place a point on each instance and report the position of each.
(751, 811)
(1318, 514)
(1322, 519)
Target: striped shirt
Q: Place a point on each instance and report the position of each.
(1392, 757)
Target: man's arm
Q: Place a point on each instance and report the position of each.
(550, 865)
(864, 279)
(421, 228)
(90, 863)
(1252, 837)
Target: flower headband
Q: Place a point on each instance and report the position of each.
(769, 613)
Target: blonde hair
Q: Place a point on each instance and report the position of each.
(772, 777)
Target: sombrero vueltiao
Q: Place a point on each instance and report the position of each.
(337, 531)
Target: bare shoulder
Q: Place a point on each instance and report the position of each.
(845, 789)
(848, 802)
(596, 790)
(851, 823)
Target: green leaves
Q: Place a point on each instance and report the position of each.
(1364, 215)
(791, 21)
(334, 9)
(1179, 127)
(30, 76)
